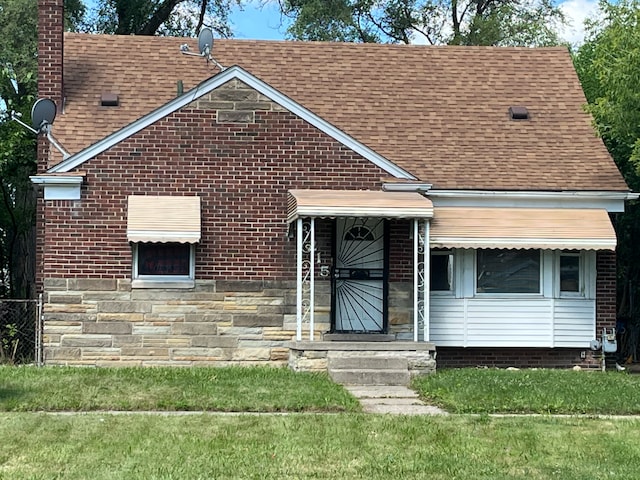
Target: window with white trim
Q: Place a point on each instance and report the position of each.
(508, 271)
(441, 271)
(156, 263)
(571, 277)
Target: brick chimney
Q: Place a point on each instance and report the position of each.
(50, 56)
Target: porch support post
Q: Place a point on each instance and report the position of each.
(416, 273)
(299, 235)
(312, 280)
(427, 281)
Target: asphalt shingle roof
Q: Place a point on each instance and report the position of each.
(439, 112)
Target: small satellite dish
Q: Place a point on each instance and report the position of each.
(43, 113)
(205, 41)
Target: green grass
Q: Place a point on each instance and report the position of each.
(255, 389)
(531, 391)
(342, 446)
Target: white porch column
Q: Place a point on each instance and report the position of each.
(426, 291)
(312, 279)
(416, 282)
(305, 282)
(299, 235)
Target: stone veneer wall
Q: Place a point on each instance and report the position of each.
(103, 322)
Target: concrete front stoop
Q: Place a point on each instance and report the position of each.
(397, 400)
(368, 370)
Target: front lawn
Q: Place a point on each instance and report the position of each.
(254, 389)
(311, 446)
(474, 390)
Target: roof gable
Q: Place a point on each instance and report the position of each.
(206, 87)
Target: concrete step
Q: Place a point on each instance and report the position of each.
(367, 363)
(370, 377)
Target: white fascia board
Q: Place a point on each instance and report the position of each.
(59, 187)
(608, 200)
(206, 87)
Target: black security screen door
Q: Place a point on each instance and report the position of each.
(359, 286)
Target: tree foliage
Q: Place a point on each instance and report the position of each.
(466, 22)
(161, 17)
(608, 65)
(18, 85)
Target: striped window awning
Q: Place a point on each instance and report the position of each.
(544, 228)
(163, 219)
(357, 203)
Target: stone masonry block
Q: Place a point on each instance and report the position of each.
(113, 328)
(124, 307)
(249, 320)
(239, 286)
(252, 354)
(51, 284)
(82, 284)
(127, 340)
(215, 341)
(61, 353)
(69, 308)
(86, 341)
(64, 298)
(151, 329)
(120, 317)
(144, 352)
(235, 116)
(279, 354)
(194, 329)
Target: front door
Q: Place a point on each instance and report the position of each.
(359, 286)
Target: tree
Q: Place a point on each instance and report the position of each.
(18, 67)
(161, 17)
(608, 65)
(466, 22)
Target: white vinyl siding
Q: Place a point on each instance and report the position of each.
(512, 320)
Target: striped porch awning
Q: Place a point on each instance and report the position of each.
(163, 219)
(357, 203)
(522, 228)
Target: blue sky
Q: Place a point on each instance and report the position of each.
(261, 20)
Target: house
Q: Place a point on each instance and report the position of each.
(310, 198)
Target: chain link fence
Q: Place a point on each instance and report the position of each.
(21, 331)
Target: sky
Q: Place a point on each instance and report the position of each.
(261, 20)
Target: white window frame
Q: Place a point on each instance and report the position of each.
(163, 281)
(540, 292)
(452, 272)
(581, 293)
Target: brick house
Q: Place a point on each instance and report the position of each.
(312, 199)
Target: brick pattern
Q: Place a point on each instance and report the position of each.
(453, 357)
(605, 291)
(50, 51)
(241, 172)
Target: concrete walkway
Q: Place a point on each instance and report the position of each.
(391, 399)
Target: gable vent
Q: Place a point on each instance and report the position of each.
(109, 99)
(519, 113)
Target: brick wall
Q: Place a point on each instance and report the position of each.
(605, 291)
(50, 53)
(453, 357)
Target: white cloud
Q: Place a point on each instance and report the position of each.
(576, 12)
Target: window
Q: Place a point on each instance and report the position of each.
(441, 271)
(508, 271)
(166, 263)
(570, 273)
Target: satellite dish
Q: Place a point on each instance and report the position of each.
(43, 113)
(205, 41)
